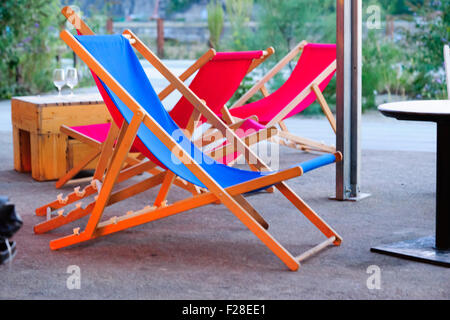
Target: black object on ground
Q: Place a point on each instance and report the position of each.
(10, 223)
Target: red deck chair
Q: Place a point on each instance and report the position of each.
(311, 75)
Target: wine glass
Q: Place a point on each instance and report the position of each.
(71, 79)
(59, 79)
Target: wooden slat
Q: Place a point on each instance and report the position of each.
(51, 118)
(123, 147)
(75, 169)
(169, 178)
(324, 105)
(80, 137)
(266, 55)
(306, 142)
(78, 23)
(308, 212)
(277, 68)
(316, 249)
(189, 72)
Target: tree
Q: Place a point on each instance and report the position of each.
(239, 15)
(28, 38)
(283, 24)
(215, 23)
(432, 32)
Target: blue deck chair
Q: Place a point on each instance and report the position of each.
(113, 60)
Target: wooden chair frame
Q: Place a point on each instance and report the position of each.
(79, 24)
(231, 197)
(54, 211)
(284, 136)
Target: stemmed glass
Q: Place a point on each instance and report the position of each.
(71, 79)
(59, 79)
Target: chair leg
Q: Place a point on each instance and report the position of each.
(309, 213)
(324, 105)
(76, 169)
(126, 138)
(165, 187)
(252, 211)
(261, 233)
(127, 135)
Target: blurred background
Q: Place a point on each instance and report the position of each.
(402, 52)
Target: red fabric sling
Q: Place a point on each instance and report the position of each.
(314, 59)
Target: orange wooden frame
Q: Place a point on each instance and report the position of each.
(80, 25)
(55, 209)
(230, 197)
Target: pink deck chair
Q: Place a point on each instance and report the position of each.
(219, 76)
(311, 75)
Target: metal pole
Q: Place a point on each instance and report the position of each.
(348, 98)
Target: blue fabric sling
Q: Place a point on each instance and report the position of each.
(116, 55)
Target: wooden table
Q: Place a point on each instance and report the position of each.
(431, 249)
(39, 146)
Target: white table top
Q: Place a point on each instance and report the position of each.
(432, 107)
(47, 100)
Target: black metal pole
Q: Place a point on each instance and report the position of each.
(443, 186)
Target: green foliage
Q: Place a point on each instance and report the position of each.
(215, 22)
(245, 86)
(397, 7)
(391, 65)
(432, 19)
(386, 69)
(179, 5)
(239, 14)
(281, 24)
(28, 33)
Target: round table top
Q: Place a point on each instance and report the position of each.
(420, 110)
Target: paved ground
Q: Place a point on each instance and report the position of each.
(207, 254)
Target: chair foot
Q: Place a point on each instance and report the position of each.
(316, 249)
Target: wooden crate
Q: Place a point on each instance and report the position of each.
(39, 146)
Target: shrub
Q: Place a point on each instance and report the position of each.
(385, 69)
(432, 19)
(28, 45)
(282, 24)
(215, 23)
(239, 14)
(179, 5)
